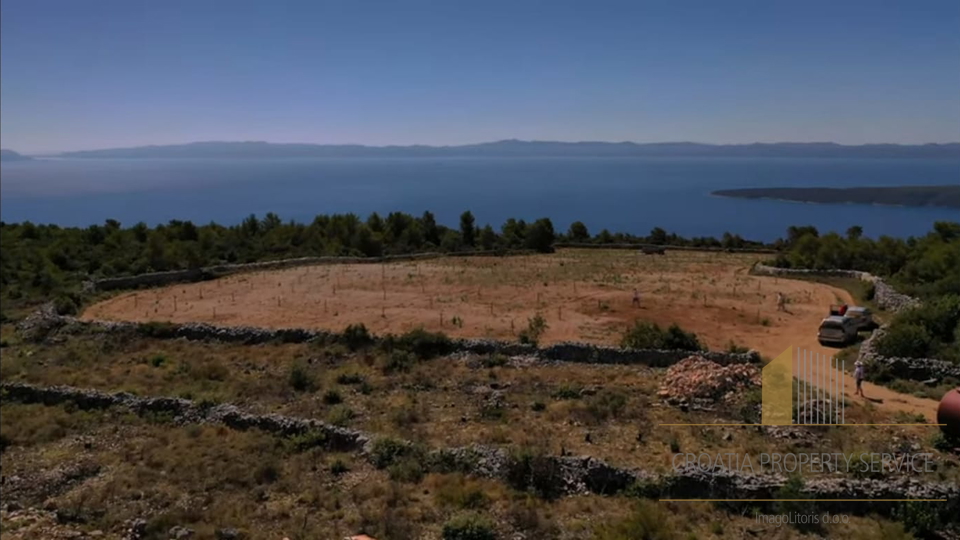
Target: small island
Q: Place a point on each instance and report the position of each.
(10, 155)
(939, 196)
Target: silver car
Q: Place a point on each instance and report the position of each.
(837, 330)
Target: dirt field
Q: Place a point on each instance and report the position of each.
(584, 295)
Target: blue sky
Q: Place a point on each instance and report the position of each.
(104, 73)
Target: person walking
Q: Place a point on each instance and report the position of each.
(636, 298)
(781, 302)
(858, 377)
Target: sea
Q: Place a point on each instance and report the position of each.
(620, 194)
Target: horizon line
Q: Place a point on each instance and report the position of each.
(481, 143)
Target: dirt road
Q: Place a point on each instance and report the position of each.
(881, 397)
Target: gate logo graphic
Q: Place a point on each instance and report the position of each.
(803, 387)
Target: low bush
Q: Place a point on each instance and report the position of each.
(536, 326)
(350, 378)
(646, 335)
(531, 470)
(397, 362)
(905, 340)
(338, 467)
(387, 451)
(340, 415)
(332, 397)
(647, 522)
(301, 379)
(65, 305)
(307, 440)
(420, 343)
(356, 336)
(468, 527)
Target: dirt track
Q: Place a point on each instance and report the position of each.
(584, 295)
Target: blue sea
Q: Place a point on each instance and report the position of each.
(620, 194)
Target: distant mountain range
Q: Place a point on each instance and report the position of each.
(942, 196)
(515, 148)
(10, 155)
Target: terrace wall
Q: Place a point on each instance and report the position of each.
(557, 475)
(158, 279)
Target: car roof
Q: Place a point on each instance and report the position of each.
(835, 318)
(860, 309)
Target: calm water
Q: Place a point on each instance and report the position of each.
(621, 194)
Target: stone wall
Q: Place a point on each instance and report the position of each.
(158, 279)
(583, 245)
(45, 321)
(554, 475)
(884, 295)
(915, 369)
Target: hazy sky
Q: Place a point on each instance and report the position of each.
(99, 73)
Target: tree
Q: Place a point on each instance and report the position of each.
(513, 232)
(658, 236)
(467, 230)
(488, 238)
(855, 232)
(430, 231)
(540, 236)
(578, 232)
(450, 241)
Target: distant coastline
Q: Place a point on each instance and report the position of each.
(916, 196)
(517, 148)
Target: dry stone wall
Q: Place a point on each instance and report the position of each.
(45, 321)
(553, 475)
(159, 279)
(885, 296)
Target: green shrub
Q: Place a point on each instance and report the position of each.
(332, 397)
(945, 443)
(157, 360)
(420, 343)
(350, 378)
(605, 405)
(494, 360)
(65, 305)
(734, 348)
(407, 469)
(356, 336)
(338, 467)
(793, 500)
(648, 521)
(306, 440)
(397, 361)
(158, 330)
(340, 415)
(301, 379)
(531, 470)
(646, 335)
(567, 392)
(536, 326)
(920, 518)
(538, 406)
(468, 527)
(904, 340)
(387, 451)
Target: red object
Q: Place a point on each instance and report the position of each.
(843, 309)
(949, 413)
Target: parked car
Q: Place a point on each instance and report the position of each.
(863, 317)
(837, 330)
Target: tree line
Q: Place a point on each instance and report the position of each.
(40, 260)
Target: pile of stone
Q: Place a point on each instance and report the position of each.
(701, 381)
